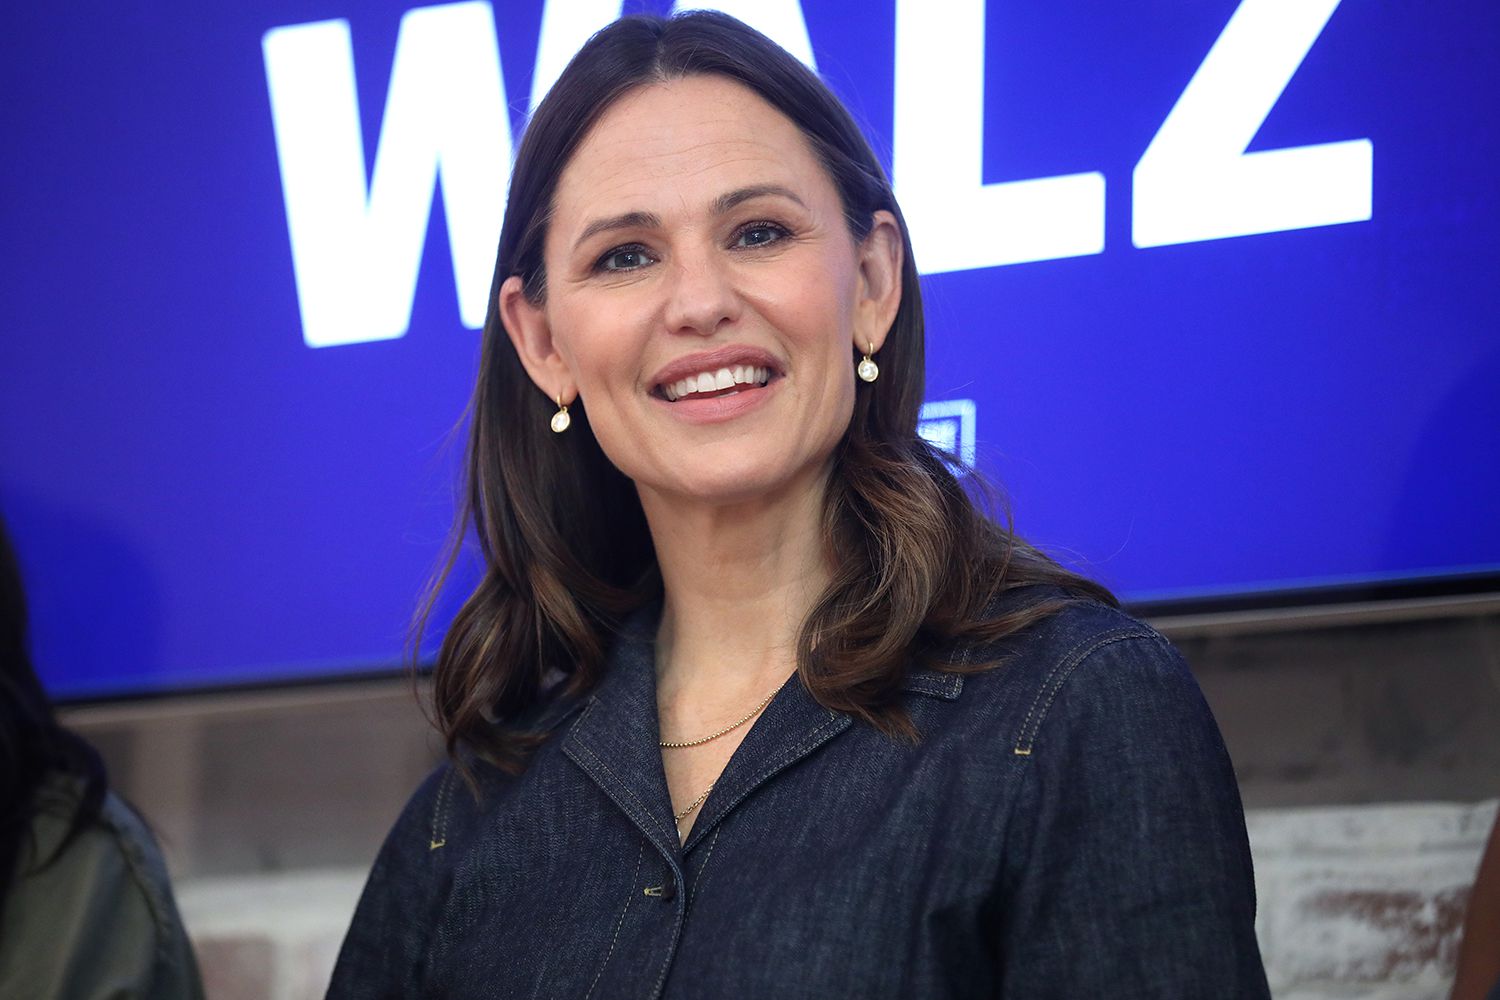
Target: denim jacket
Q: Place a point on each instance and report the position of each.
(1068, 826)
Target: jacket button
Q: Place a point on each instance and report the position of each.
(667, 890)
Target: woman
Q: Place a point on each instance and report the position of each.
(86, 910)
(751, 699)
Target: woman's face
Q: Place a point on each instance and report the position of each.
(704, 294)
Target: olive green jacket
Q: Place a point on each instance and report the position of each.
(99, 921)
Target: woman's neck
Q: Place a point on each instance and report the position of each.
(739, 581)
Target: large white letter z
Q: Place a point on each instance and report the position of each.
(1196, 181)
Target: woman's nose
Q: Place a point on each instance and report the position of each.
(700, 294)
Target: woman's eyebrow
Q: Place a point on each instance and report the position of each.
(725, 202)
(627, 220)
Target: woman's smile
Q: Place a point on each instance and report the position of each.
(722, 383)
(714, 386)
(711, 384)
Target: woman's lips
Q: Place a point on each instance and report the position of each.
(722, 406)
(716, 383)
(726, 358)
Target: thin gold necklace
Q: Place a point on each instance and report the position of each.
(693, 805)
(670, 745)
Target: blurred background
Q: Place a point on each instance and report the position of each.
(1213, 291)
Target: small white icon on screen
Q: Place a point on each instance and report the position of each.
(948, 425)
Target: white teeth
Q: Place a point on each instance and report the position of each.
(724, 378)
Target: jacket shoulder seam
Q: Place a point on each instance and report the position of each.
(1052, 684)
(439, 825)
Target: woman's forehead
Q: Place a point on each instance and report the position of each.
(680, 144)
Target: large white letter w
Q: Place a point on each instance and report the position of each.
(357, 248)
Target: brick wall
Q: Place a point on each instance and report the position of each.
(1358, 901)
(1364, 901)
(269, 937)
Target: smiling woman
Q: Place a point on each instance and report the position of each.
(752, 699)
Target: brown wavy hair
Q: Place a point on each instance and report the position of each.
(566, 551)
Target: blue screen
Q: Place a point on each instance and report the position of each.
(1213, 291)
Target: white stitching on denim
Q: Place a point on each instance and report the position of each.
(775, 765)
(941, 683)
(644, 816)
(1054, 681)
(587, 711)
(805, 746)
(629, 898)
(440, 813)
(942, 686)
(698, 879)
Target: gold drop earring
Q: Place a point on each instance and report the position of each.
(560, 419)
(868, 369)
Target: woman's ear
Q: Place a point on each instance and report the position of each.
(526, 324)
(880, 259)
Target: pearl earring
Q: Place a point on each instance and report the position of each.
(560, 419)
(868, 369)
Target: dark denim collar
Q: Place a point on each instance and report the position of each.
(616, 739)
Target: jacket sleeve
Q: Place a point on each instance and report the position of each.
(1127, 870)
(99, 919)
(386, 944)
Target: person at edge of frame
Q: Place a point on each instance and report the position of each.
(86, 906)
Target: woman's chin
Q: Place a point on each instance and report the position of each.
(735, 484)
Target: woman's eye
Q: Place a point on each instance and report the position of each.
(759, 234)
(625, 259)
